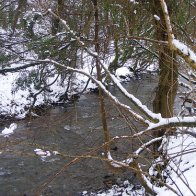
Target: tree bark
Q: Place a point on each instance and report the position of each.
(168, 78)
(21, 6)
(55, 21)
(99, 77)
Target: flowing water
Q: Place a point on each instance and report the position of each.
(71, 130)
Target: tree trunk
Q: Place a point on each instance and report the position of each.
(168, 78)
(55, 21)
(99, 77)
(21, 6)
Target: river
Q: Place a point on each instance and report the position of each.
(71, 130)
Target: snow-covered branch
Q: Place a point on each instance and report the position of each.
(188, 78)
(164, 123)
(167, 21)
(143, 108)
(174, 122)
(184, 51)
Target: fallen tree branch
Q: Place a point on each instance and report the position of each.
(15, 69)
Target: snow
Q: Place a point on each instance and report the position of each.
(42, 153)
(157, 17)
(134, 99)
(134, 1)
(67, 127)
(182, 166)
(55, 152)
(184, 49)
(14, 101)
(172, 120)
(123, 74)
(139, 150)
(124, 189)
(46, 155)
(115, 163)
(10, 102)
(9, 131)
(167, 18)
(152, 68)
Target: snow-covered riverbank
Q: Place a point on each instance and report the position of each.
(15, 100)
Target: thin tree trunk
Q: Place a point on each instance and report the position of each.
(99, 77)
(21, 6)
(55, 21)
(167, 86)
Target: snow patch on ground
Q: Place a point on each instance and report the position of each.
(152, 68)
(125, 189)
(16, 102)
(182, 166)
(124, 74)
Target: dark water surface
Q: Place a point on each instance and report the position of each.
(72, 131)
